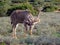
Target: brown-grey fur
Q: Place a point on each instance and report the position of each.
(24, 17)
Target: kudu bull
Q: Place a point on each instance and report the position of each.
(24, 17)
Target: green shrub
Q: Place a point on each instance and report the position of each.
(49, 8)
(3, 8)
(22, 6)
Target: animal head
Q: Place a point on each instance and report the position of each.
(36, 20)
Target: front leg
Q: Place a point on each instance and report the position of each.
(14, 33)
(31, 28)
(14, 26)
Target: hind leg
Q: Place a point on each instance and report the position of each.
(14, 26)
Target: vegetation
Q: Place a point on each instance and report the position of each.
(49, 8)
(7, 6)
(22, 6)
(46, 32)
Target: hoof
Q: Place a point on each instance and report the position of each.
(30, 32)
(14, 36)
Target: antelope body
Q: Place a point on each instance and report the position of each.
(24, 17)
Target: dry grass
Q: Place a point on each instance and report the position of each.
(46, 32)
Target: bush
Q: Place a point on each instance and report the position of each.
(49, 8)
(22, 6)
(3, 8)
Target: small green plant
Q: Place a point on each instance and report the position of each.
(2, 43)
(29, 41)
